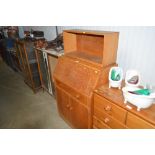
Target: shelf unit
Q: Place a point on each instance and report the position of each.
(28, 63)
(44, 70)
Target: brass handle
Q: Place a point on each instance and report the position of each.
(77, 96)
(96, 72)
(67, 105)
(76, 61)
(71, 108)
(106, 120)
(107, 108)
(96, 90)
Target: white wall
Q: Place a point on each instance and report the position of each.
(49, 31)
(136, 48)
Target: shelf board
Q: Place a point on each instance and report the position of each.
(85, 56)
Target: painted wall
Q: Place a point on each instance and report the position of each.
(136, 48)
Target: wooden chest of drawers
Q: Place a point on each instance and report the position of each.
(109, 111)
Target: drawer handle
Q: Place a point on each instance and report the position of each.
(77, 96)
(96, 72)
(76, 61)
(67, 105)
(107, 108)
(71, 108)
(106, 120)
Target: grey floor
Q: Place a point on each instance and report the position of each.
(20, 108)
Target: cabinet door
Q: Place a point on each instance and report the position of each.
(78, 114)
(43, 68)
(63, 103)
(26, 69)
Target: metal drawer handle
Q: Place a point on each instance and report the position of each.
(107, 108)
(106, 120)
(67, 105)
(96, 72)
(77, 96)
(71, 108)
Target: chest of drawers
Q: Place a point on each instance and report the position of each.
(109, 111)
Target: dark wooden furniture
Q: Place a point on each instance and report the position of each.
(109, 111)
(52, 57)
(44, 71)
(28, 63)
(47, 60)
(84, 66)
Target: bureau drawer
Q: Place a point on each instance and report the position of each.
(99, 124)
(109, 108)
(134, 122)
(108, 120)
(72, 92)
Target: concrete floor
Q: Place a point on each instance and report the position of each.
(20, 108)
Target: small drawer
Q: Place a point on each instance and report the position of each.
(99, 124)
(134, 122)
(108, 120)
(109, 108)
(81, 98)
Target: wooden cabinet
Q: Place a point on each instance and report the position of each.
(63, 103)
(29, 64)
(47, 60)
(88, 57)
(109, 111)
(44, 71)
(71, 109)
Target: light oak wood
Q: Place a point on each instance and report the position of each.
(74, 93)
(110, 48)
(98, 124)
(110, 108)
(108, 120)
(96, 46)
(80, 71)
(105, 97)
(79, 114)
(70, 42)
(135, 122)
(71, 110)
(90, 44)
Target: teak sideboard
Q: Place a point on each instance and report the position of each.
(88, 57)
